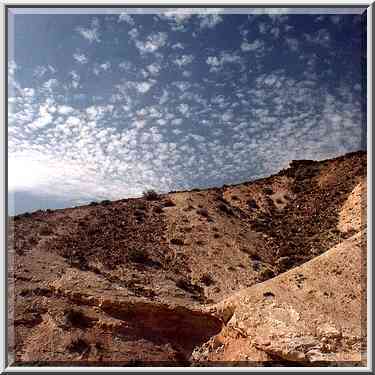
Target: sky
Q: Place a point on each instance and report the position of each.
(107, 104)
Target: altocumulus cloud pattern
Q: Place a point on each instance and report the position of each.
(104, 106)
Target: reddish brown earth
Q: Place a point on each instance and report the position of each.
(264, 273)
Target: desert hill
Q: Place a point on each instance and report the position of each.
(266, 272)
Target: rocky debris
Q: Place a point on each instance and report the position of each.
(316, 324)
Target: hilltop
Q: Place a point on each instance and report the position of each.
(266, 272)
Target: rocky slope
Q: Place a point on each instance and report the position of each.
(262, 273)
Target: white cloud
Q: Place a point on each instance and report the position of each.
(177, 18)
(178, 14)
(40, 71)
(321, 37)
(141, 87)
(124, 17)
(80, 58)
(217, 63)
(64, 109)
(209, 21)
(184, 60)
(41, 122)
(12, 67)
(336, 19)
(292, 43)
(51, 84)
(154, 68)
(75, 79)
(257, 44)
(133, 33)
(152, 43)
(90, 34)
(105, 66)
(178, 46)
(183, 86)
(28, 92)
(184, 108)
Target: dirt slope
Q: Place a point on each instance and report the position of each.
(313, 314)
(141, 281)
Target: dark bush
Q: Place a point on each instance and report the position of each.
(140, 205)
(169, 203)
(177, 241)
(158, 209)
(138, 256)
(207, 279)
(78, 346)
(223, 207)
(93, 203)
(188, 286)
(268, 294)
(203, 212)
(252, 203)
(268, 190)
(106, 202)
(255, 257)
(150, 195)
(46, 231)
(138, 212)
(76, 318)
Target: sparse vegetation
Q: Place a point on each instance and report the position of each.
(79, 346)
(138, 256)
(158, 209)
(252, 204)
(224, 208)
(268, 294)
(207, 279)
(46, 230)
(76, 318)
(169, 203)
(139, 213)
(203, 212)
(93, 203)
(186, 285)
(150, 195)
(267, 190)
(141, 205)
(177, 241)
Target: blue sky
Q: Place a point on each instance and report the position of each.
(106, 105)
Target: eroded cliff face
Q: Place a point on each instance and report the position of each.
(264, 273)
